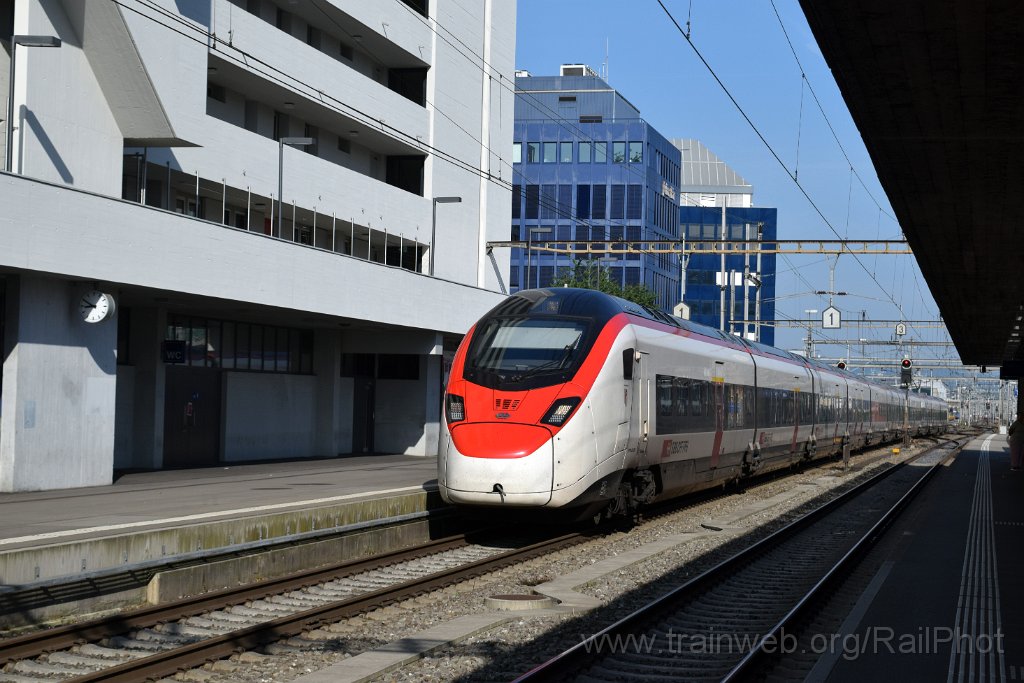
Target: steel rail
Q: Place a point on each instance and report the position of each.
(63, 637)
(757, 655)
(170, 662)
(568, 663)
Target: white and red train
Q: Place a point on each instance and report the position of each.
(573, 399)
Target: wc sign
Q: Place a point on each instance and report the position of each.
(173, 350)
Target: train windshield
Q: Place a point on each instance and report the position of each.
(525, 353)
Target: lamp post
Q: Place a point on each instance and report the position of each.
(297, 142)
(529, 242)
(26, 41)
(433, 225)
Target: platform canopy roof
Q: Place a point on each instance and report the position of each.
(936, 88)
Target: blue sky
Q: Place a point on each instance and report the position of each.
(652, 65)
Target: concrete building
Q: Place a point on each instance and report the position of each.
(163, 303)
(587, 167)
(717, 203)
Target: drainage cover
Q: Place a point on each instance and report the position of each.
(512, 601)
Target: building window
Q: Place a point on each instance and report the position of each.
(280, 125)
(547, 201)
(600, 152)
(240, 346)
(313, 36)
(564, 208)
(583, 202)
(346, 51)
(344, 145)
(405, 172)
(398, 366)
(216, 92)
(532, 201)
(584, 152)
(517, 198)
(618, 152)
(591, 119)
(421, 6)
(565, 152)
(358, 365)
(517, 152)
(311, 131)
(549, 152)
(636, 152)
(409, 83)
(634, 202)
(618, 211)
(532, 152)
(598, 207)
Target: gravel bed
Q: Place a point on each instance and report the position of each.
(524, 640)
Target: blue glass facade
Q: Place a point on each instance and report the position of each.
(703, 293)
(587, 167)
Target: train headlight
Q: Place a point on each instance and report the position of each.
(560, 411)
(456, 408)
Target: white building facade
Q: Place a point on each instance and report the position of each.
(246, 323)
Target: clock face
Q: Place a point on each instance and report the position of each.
(96, 306)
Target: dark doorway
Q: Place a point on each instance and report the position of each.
(409, 83)
(192, 406)
(363, 399)
(405, 172)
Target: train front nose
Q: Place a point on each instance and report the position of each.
(499, 463)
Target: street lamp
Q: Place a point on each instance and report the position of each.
(433, 224)
(296, 142)
(26, 41)
(529, 241)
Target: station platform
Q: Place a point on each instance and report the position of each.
(947, 600)
(149, 520)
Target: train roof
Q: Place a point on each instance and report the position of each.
(602, 307)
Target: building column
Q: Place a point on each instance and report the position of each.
(327, 368)
(59, 389)
(434, 388)
(148, 329)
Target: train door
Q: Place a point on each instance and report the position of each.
(642, 402)
(718, 398)
(192, 406)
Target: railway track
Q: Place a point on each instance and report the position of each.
(158, 642)
(718, 625)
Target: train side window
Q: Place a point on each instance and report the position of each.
(627, 363)
(682, 396)
(664, 396)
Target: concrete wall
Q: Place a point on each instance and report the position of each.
(268, 416)
(124, 405)
(66, 131)
(52, 229)
(59, 386)
(400, 416)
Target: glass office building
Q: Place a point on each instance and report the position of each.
(587, 168)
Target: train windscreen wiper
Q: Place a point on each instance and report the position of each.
(553, 364)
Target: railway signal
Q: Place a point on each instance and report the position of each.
(905, 371)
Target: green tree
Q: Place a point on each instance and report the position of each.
(588, 274)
